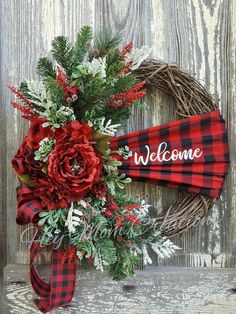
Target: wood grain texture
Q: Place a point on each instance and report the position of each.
(154, 291)
(198, 35)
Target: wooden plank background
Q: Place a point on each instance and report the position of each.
(198, 35)
(155, 291)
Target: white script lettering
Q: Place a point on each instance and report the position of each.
(162, 154)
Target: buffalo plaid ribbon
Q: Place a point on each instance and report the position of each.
(60, 290)
(204, 174)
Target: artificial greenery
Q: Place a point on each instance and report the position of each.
(94, 90)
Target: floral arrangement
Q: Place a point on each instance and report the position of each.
(85, 94)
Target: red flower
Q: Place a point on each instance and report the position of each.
(73, 165)
(24, 162)
(37, 132)
(108, 213)
(74, 131)
(100, 189)
(111, 204)
(51, 195)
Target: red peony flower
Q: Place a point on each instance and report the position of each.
(74, 131)
(51, 196)
(37, 132)
(24, 162)
(73, 165)
(100, 189)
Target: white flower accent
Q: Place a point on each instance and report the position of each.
(96, 66)
(138, 55)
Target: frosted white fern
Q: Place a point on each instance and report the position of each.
(96, 66)
(146, 258)
(73, 219)
(138, 55)
(104, 127)
(98, 261)
(164, 247)
(143, 210)
(39, 94)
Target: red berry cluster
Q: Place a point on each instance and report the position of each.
(70, 91)
(25, 106)
(113, 209)
(127, 49)
(129, 96)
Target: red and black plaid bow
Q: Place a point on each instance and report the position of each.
(190, 154)
(60, 290)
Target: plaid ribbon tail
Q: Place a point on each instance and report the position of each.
(162, 155)
(60, 290)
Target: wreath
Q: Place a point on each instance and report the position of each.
(73, 170)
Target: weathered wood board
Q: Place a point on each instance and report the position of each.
(198, 35)
(155, 291)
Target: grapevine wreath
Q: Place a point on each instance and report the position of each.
(73, 169)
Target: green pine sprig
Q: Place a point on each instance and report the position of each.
(62, 51)
(106, 40)
(81, 46)
(46, 68)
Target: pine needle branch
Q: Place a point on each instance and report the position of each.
(45, 67)
(105, 40)
(81, 46)
(62, 52)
